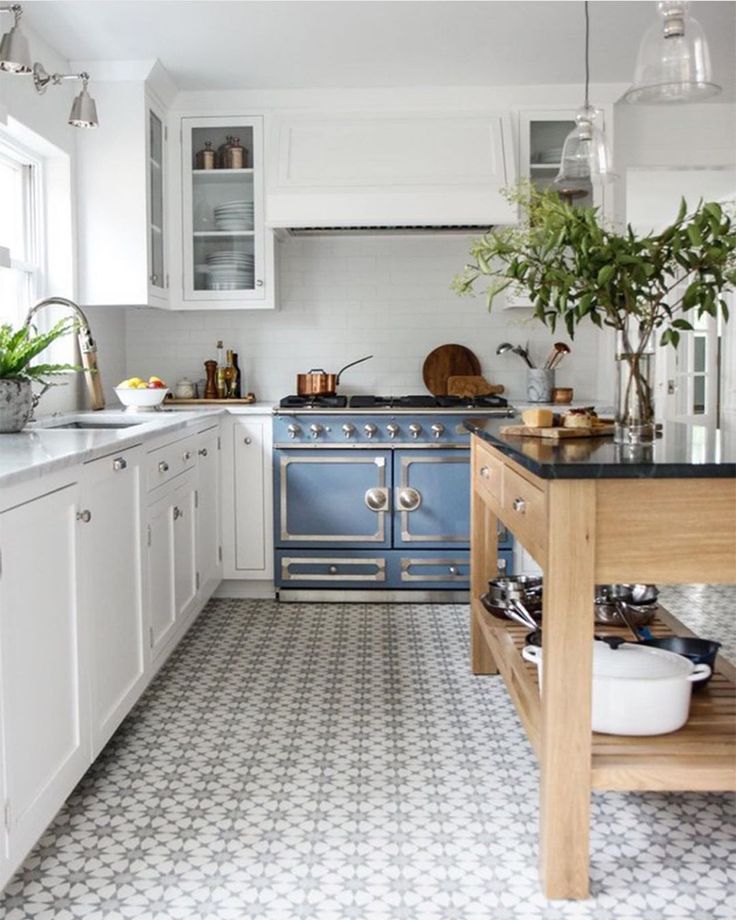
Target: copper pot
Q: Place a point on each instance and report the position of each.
(318, 382)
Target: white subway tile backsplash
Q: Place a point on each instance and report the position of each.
(344, 297)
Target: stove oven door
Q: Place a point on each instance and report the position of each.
(332, 498)
(432, 498)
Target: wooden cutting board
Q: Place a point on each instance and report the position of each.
(448, 361)
(559, 433)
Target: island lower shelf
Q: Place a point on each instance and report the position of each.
(700, 757)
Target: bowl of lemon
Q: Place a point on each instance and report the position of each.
(138, 395)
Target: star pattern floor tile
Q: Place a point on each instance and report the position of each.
(335, 761)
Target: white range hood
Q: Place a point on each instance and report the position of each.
(377, 172)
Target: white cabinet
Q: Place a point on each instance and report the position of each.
(171, 558)
(247, 498)
(42, 687)
(111, 602)
(227, 253)
(209, 541)
(389, 168)
(121, 195)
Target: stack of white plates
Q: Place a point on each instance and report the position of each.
(230, 271)
(234, 215)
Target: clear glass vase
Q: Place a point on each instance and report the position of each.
(634, 422)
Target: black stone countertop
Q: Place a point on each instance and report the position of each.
(680, 451)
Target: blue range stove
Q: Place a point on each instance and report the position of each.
(372, 497)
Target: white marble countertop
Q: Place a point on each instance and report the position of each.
(44, 448)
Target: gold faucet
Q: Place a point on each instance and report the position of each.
(87, 346)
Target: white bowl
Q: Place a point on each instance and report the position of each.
(140, 400)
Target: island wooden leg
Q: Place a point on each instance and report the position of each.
(567, 629)
(484, 544)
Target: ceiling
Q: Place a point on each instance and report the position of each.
(211, 45)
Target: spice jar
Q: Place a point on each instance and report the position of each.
(205, 158)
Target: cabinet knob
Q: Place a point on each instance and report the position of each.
(259, 283)
(177, 513)
(163, 467)
(187, 455)
(154, 279)
(119, 463)
(332, 570)
(485, 472)
(84, 516)
(409, 499)
(519, 505)
(454, 570)
(247, 440)
(202, 451)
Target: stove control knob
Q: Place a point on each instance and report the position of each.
(437, 429)
(415, 430)
(392, 429)
(370, 430)
(294, 430)
(348, 430)
(316, 430)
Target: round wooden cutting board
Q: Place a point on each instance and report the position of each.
(448, 361)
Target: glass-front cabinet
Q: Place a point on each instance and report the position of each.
(158, 279)
(227, 258)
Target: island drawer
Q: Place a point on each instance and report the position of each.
(488, 473)
(525, 512)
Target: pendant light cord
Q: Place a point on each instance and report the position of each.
(587, 53)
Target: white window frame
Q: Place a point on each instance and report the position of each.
(33, 266)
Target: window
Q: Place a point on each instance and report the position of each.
(20, 232)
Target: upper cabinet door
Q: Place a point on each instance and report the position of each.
(226, 255)
(158, 279)
(389, 169)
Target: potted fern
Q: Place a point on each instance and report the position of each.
(644, 286)
(18, 348)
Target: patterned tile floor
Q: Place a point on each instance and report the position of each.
(339, 761)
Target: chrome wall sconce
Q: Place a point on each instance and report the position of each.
(15, 58)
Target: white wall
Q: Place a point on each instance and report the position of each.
(345, 297)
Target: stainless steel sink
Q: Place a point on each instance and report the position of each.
(100, 426)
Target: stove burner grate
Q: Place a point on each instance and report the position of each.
(314, 402)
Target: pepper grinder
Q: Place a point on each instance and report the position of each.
(210, 390)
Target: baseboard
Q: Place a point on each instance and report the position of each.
(244, 588)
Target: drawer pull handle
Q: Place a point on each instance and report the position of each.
(247, 440)
(454, 570)
(178, 513)
(187, 455)
(485, 472)
(409, 499)
(332, 570)
(163, 467)
(119, 463)
(203, 452)
(84, 516)
(519, 505)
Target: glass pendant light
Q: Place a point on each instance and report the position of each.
(585, 157)
(673, 64)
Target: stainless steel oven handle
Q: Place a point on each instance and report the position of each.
(408, 499)
(377, 499)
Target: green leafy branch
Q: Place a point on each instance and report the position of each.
(19, 347)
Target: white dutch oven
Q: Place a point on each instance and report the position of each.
(636, 690)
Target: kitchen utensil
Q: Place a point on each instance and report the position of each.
(210, 389)
(515, 349)
(562, 396)
(636, 690)
(448, 361)
(514, 587)
(699, 651)
(141, 400)
(561, 350)
(616, 612)
(318, 382)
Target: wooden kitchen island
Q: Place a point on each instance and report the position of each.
(590, 513)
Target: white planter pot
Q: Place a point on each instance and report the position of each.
(16, 405)
(636, 690)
